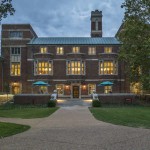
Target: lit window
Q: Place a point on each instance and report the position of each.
(43, 68)
(60, 89)
(107, 89)
(91, 87)
(59, 51)
(75, 49)
(15, 69)
(108, 50)
(16, 34)
(15, 87)
(43, 50)
(92, 51)
(107, 67)
(15, 61)
(75, 67)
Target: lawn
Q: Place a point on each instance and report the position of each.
(8, 129)
(127, 116)
(25, 112)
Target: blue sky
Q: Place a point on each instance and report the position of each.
(66, 17)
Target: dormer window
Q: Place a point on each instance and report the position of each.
(108, 50)
(43, 50)
(16, 34)
(75, 50)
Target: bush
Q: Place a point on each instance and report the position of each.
(96, 103)
(52, 103)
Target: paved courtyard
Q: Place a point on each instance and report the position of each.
(74, 128)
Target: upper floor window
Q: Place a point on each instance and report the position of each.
(76, 49)
(108, 67)
(107, 50)
(43, 50)
(92, 51)
(16, 34)
(75, 67)
(43, 67)
(59, 51)
(15, 61)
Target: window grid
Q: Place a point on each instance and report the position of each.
(107, 89)
(107, 67)
(15, 61)
(59, 51)
(91, 88)
(92, 51)
(75, 49)
(43, 50)
(107, 50)
(60, 89)
(43, 68)
(16, 34)
(75, 68)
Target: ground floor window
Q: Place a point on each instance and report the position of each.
(107, 89)
(60, 89)
(91, 88)
(15, 87)
(43, 89)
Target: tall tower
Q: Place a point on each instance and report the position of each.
(96, 23)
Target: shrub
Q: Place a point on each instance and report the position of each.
(96, 103)
(52, 103)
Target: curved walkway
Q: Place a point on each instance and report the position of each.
(74, 128)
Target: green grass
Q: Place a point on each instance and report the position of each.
(25, 112)
(127, 116)
(8, 129)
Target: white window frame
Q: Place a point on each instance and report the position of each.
(91, 50)
(35, 67)
(62, 89)
(16, 37)
(58, 49)
(81, 62)
(108, 50)
(76, 49)
(89, 88)
(115, 66)
(15, 59)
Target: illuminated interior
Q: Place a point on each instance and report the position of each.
(108, 50)
(91, 87)
(15, 69)
(75, 49)
(108, 67)
(107, 89)
(135, 88)
(15, 87)
(76, 67)
(60, 51)
(60, 89)
(43, 68)
(43, 50)
(92, 51)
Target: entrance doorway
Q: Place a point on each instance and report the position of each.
(75, 91)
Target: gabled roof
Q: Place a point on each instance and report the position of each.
(74, 41)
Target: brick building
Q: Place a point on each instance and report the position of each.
(72, 65)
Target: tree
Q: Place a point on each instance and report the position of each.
(6, 8)
(135, 38)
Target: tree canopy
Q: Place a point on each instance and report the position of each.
(6, 8)
(135, 38)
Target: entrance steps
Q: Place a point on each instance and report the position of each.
(74, 102)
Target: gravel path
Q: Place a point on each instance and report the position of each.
(74, 128)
